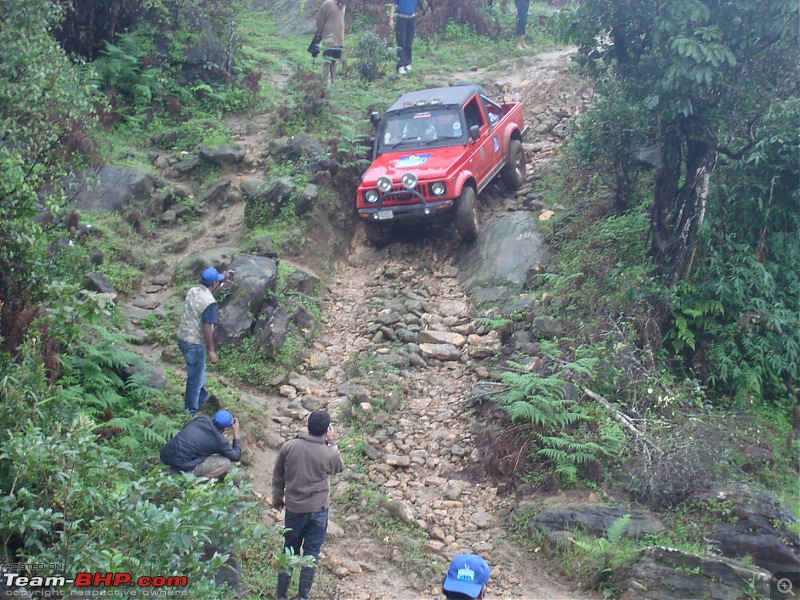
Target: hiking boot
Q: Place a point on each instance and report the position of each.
(306, 581)
(284, 579)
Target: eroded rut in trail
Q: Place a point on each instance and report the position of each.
(423, 454)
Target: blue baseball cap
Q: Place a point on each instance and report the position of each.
(223, 419)
(468, 573)
(211, 275)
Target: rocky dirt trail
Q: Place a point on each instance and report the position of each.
(391, 319)
(400, 350)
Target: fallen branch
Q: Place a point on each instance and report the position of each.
(626, 421)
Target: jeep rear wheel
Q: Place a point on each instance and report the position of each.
(466, 219)
(513, 173)
(377, 235)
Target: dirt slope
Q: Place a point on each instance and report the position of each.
(359, 566)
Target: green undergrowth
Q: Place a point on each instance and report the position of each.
(80, 465)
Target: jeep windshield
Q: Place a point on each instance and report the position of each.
(421, 127)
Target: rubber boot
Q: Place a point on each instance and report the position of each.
(521, 42)
(306, 581)
(284, 579)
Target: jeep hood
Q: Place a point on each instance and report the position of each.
(427, 164)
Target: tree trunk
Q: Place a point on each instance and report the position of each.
(679, 198)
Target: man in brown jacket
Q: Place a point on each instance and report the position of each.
(330, 33)
(301, 483)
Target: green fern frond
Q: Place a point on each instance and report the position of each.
(617, 529)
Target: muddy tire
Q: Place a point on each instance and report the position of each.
(466, 219)
(377, 235)
(513, 173)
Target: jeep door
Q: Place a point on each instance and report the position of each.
(482, 158)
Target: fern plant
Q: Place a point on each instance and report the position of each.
(121, 68)
(604, 554)
(566, 433)
(351, 150)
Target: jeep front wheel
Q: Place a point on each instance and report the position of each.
(466, 219)
(377, 235)
(513, 173)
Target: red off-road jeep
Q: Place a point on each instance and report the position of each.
(434, 151)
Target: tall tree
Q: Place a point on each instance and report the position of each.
(45, 108)
(707, 70)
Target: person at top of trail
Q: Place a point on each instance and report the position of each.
(404, 29)
(330, 33)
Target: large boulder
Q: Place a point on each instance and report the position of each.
(151, 375)
(755, 524)
(190, 268)
(271, 330)
(666, 574)
(504, 253)
(254, 277)
(594, 519)
(112, 188)
(302, 280)
(223, 156)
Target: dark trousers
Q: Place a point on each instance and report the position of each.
(404, 37)
(522, 15)
(306, 530)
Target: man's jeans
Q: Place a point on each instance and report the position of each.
(404, 37)
(196, 394)
(306, 529)
(522, 15)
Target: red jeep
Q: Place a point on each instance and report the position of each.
(434, 151)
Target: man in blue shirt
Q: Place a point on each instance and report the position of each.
(406, 13)
(196, 333)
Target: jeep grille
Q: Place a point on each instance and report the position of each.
(401, 194)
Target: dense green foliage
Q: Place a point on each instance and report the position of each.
(712, 86)
(46, 111)
(704, 70)
(567, 433)
(79, 475)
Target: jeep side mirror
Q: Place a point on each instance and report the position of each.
(475, 132)
(375, 118)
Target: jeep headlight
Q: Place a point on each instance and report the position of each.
(384, 184)
(371, 196)
(409, 181)
(438, 188)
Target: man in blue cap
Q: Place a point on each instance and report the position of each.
(196, 333)
(201, 449)
(467, 577)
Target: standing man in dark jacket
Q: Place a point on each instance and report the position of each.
(301, 483)
(201, 449)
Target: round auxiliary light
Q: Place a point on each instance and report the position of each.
(437, 189)
(427, 210)
(409, 181)
(371, 196)
(384, 184)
